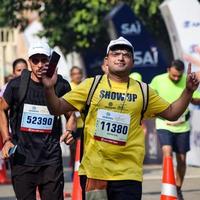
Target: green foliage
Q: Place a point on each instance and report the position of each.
(148, 12)
(77, 24)
(8, 11)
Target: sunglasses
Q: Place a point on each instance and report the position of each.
(36, 60)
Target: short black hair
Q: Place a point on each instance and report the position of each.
(121, 47)
(178, 64)
(18, 60)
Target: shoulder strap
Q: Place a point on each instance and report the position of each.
(93, 87)
(24, 82)
(145, 93)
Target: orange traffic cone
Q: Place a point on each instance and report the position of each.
(3, 176)
(76, 190)
(169, 191)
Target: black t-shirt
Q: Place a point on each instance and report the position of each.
(35, 148)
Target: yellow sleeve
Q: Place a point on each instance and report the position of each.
(78, 96)
(156, 104)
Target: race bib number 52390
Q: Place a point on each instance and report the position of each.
(36, 118)
(112, 127)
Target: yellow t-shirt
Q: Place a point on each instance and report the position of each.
(108, 161)
(73, 85)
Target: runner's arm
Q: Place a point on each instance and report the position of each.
(57, 106)
(4, 130)
(177, 108)
(195, 101)
(71, 125)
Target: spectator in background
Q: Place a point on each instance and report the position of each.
(174, 135)
(76, 75)
(18, 66)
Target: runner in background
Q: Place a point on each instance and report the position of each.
(174, 136)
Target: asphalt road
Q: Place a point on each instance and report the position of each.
(151, 184)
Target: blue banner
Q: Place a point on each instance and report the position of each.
(148, 58)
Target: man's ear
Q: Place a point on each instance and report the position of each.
(105, 61)
(168, 69)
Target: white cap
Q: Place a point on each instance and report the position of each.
(39, 47)
(119, 41)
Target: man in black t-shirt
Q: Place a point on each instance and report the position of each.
(37, 161)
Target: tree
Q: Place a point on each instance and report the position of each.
(79, 26)
(75, 25)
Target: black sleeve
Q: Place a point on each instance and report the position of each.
(62, 86)
(10, 94)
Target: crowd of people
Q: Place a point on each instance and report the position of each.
(110, 125)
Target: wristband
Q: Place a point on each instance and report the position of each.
(75, 135)
(6, 140)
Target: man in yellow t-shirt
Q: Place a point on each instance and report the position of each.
(113, 137)
(174, 136)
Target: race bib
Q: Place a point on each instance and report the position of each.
(36, 119)
(112, 127)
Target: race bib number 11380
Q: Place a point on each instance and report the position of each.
(112, 127)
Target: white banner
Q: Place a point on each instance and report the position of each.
(193, 156)
(182, 18)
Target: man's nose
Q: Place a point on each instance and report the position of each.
(121, 57)
(40, 64)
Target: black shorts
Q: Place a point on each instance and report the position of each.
(180, 142)
(49, 180)
(118, 190)
(124, 190)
